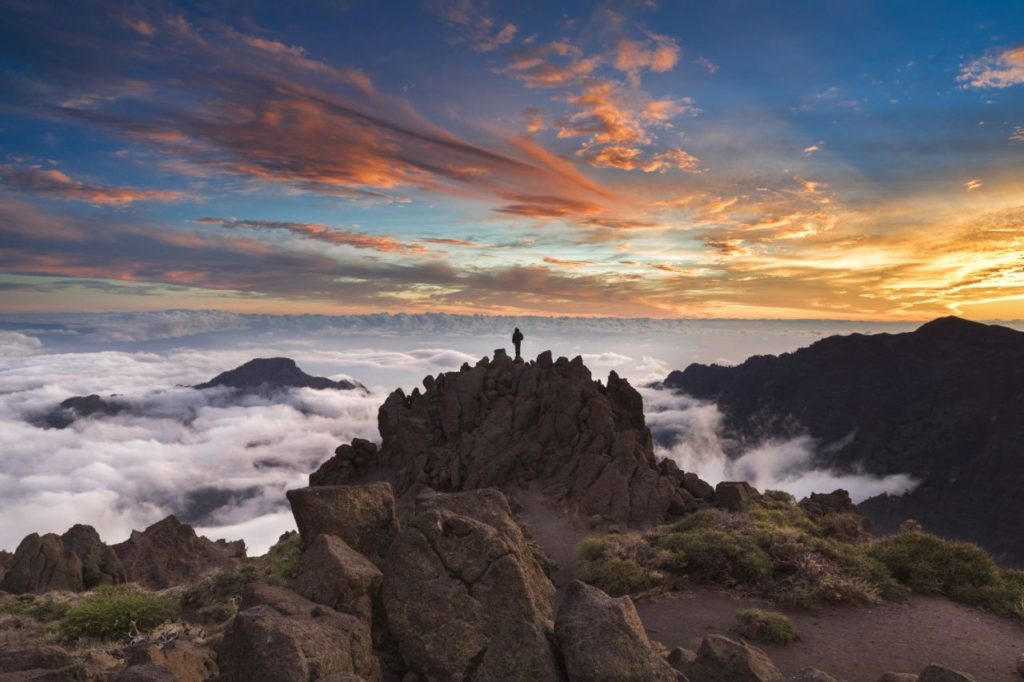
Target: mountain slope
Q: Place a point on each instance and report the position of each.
(273, 374)
(944, 403)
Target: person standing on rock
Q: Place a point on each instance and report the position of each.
(517, 341)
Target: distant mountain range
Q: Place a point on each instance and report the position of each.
(263, 376)
(944, 403)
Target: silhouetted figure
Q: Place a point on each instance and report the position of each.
(517, 340)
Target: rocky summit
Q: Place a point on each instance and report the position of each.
(504, 423)
(273, 374)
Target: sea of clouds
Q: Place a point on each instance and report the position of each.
(224, 465)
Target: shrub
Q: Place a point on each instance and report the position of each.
(110, 612)
(615, 576)
(767, 626)
(283, 560)
(718, 556)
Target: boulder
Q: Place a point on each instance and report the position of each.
(187, 662)
(681, 659)
(734, 495)
(720, 659)
(278, 635)
(333, 574)
(170, 553)
(100, 564)
(810, 675)
(603, 640)
(14, 658)
(464, 596)
(361, 515)
(940, 673)
(698, 487)
(504, 423)
(74, 561)
(836, 502)
(146, 672)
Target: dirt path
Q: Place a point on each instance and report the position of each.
(855, 643)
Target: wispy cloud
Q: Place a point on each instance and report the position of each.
(56, 183)
(1000, 69)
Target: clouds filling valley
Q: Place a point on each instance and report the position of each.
(222, 462)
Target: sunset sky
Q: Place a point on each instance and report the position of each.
(860, 160)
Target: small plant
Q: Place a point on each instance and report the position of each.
(111, 612)
(767, 626)
(615, 576)
(283, 560)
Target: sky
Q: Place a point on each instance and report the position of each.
(841, 160)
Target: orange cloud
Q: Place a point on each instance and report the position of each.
(56, 183)
(323, 233)
(1001, 69)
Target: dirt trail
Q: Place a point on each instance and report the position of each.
(857, 644)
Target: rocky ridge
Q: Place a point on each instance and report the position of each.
(503, 423)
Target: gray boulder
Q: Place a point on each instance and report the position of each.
(464, 596)
(940, 673)
(361, 515)
(734, 495)
(278, 635)
(603, 640)
(720, 659)
(333, 574)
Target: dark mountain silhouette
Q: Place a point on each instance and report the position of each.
(262, 374)
(944, 403)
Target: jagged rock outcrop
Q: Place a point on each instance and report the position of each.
(74, 561)
(464, 596)
(603, 640)
(361, 515)
(505, 422)
(941, 404)
(263, 375)
(278, 635)
(170, 553)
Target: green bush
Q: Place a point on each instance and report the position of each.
(927, 564)
(767, 626)
(718, 556)
(615, 576)
(283, 560)
(110, 611)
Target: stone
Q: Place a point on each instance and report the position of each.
(146, 672)
(698, 487)
(603, 640)
(170, 553)
(74, 561)
(810, 675)
(734, 495)
(721, 658)
(187, 661)
(464, 596)
(14, 658)
(361, 515)
(836, 502)
(351, 461)
(898, 677)
(940, 673)
(333, 574)
(501, 423)
(680, 658)
(1020, 663)
(278, 635)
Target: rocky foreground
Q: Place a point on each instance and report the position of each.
(410, 562)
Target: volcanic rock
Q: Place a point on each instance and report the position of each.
(464, 596)
(940, 673)
(74, 561)
(941, 404)
(333, 574)
(502, 423)
(278, 635)
(603, 640)
(170, 553)
(186, 661)
(720, 659)
(263, 375)
(734, 495)
(361, 515)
